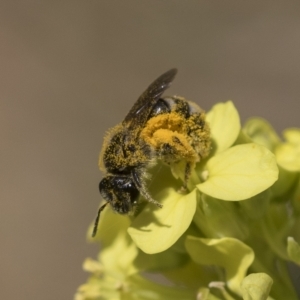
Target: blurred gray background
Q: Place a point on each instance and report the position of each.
(69, 70)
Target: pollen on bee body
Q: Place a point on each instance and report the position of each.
(176, 140)
(172, 121)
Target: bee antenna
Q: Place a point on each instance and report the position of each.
(97, 219)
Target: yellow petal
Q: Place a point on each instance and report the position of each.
(224, 122)
(231, 254)
(292, 135)
(293, 250)
(261, 132)
(288, 156)
(155, 230)
(256, 286)
(240, 172)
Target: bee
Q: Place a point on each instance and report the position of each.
(169, 129)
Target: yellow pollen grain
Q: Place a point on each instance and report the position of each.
(173, 122)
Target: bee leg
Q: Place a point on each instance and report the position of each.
(138, 180)
(147, 196)
(187, 174)
(182, 149)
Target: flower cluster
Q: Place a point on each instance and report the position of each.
(229, 237)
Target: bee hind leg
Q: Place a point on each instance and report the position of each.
(187, 174)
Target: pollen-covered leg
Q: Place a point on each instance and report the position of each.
(187, 174)
(177, 170)
(174, 147)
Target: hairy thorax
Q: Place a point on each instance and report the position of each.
(122, 151)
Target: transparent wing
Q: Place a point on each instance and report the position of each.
(139, 113)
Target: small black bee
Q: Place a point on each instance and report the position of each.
(171, 129)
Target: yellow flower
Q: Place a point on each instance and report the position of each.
(230, 173)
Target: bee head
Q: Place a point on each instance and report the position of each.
(120, 192)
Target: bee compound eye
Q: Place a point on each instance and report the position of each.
(105, 188)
